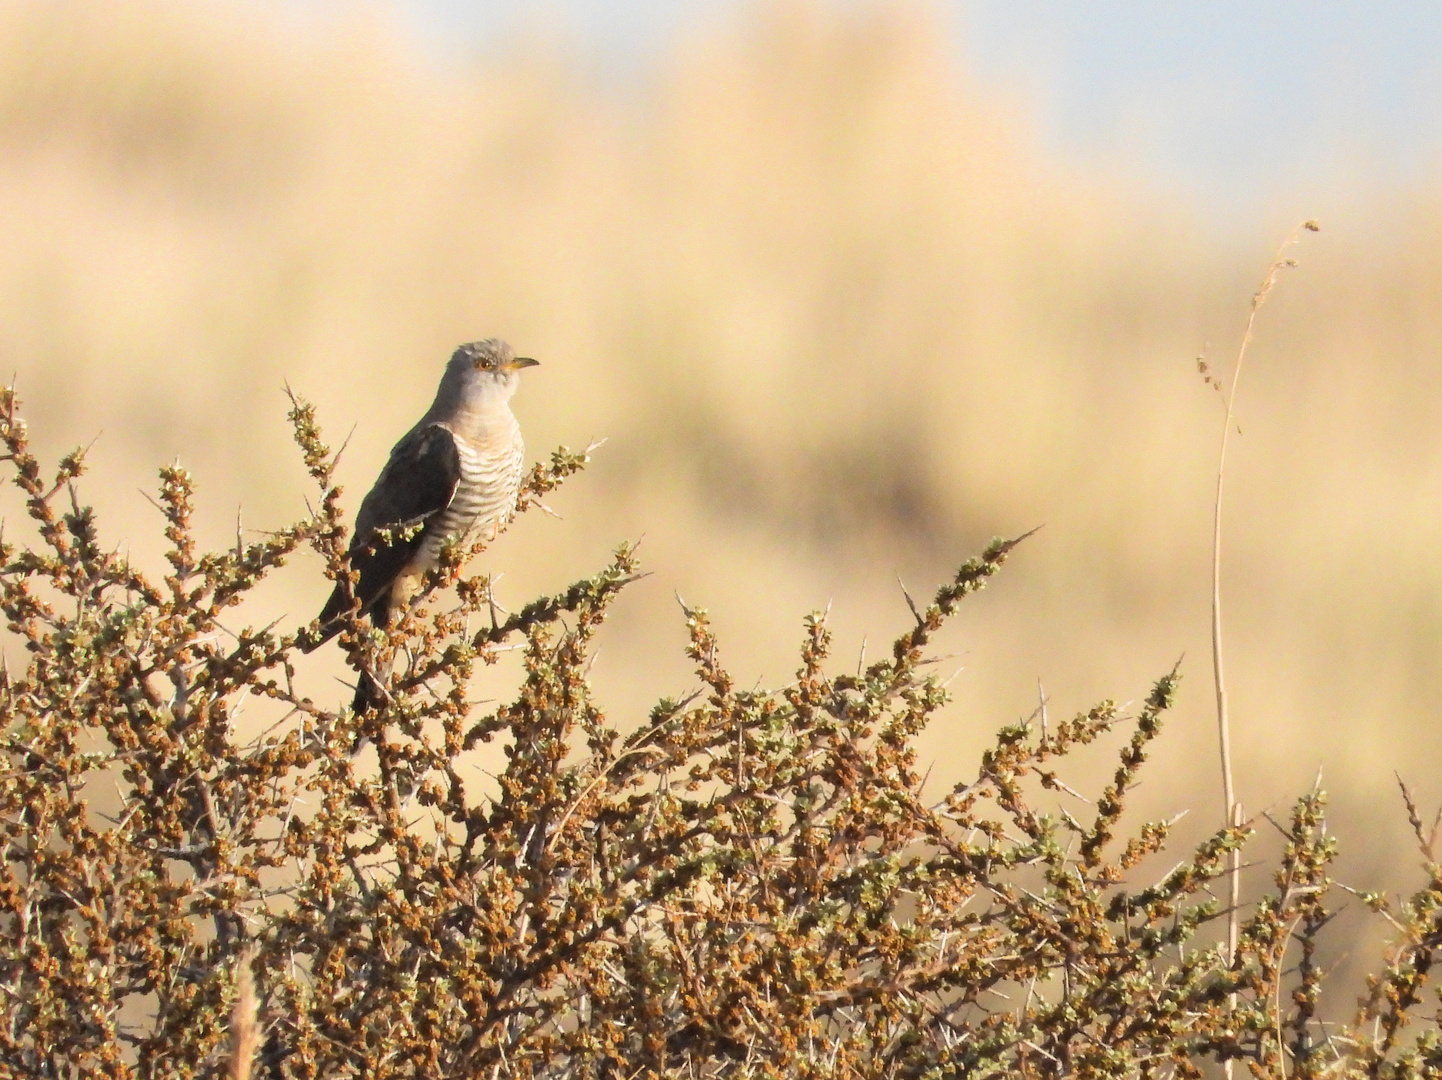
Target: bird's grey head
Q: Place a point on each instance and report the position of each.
(481, 372)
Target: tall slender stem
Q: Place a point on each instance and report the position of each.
(1232, 808)
(1224, 730)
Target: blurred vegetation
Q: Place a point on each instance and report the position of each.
(747, 883)
(838, 314)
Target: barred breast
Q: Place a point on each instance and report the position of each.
(484, 498)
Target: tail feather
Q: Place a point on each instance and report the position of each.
(332, 618)
(369, 693)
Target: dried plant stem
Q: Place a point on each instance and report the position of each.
(244, 1022)
(1233, 809)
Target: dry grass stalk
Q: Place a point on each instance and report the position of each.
(1233, 815)
(244, 1022)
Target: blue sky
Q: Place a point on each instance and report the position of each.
(1241, 106)
(1240, 102)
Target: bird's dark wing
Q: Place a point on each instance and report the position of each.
(417, 483)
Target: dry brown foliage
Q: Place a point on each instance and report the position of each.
(748, 883)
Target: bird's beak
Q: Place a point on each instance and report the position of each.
(522, 361)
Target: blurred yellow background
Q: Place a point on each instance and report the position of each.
(841, 317)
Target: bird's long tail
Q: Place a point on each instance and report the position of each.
(368, 694)
(328, 623)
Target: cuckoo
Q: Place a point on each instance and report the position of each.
(454, 476)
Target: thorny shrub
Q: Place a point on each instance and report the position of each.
(747, 883)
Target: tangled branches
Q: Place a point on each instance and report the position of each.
(747, 883)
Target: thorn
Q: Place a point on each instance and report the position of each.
(1060, 785)
(925, 777)
(1041, 706)
(910, 603)
(335, 458)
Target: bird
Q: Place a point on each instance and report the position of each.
(453, 477)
